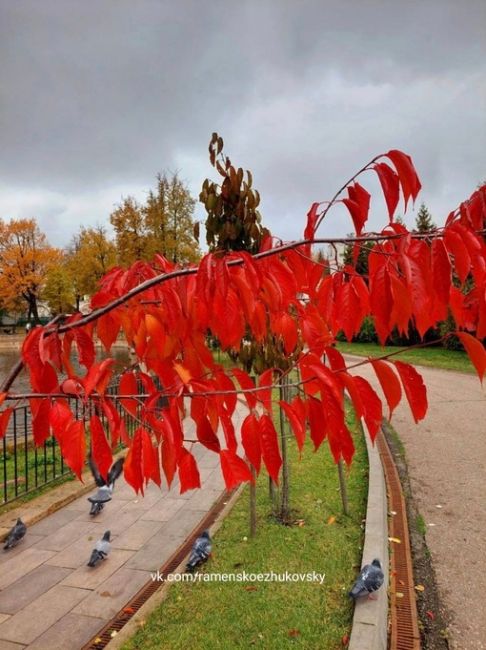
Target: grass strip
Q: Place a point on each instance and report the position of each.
(275, 615)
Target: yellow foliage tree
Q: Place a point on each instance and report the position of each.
(169, 221)
(25, 260)
(164, 224)
(129, 224)
(90, 256)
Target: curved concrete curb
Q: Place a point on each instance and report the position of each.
(370, 621)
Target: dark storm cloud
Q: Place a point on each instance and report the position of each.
(96, 97)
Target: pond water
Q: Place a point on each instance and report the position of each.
(8, 358)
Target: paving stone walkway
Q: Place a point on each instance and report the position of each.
(50, 599)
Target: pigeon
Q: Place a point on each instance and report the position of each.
(101, 550)
(15, 535)
(369, 580)
(201, 550)
(105, 488)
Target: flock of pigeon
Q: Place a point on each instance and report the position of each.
(201, 549)
(369, 580)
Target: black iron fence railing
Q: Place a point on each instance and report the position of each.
(25, 468)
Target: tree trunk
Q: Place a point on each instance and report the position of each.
(33, 312)
(253, 515)
(285, 493)
(342, 487)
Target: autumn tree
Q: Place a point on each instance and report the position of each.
(130, 232)
(169, 221)
(233, 223)
(89, 257)
(58, 290)
(423, 220)
(165, 311)
(25, 261)
(163, 225)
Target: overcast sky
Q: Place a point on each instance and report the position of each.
(97, 97)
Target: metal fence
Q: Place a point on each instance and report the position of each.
(25, 468)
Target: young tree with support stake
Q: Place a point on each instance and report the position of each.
(165, 312)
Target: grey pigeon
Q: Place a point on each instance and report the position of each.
(101, 550)
(105, 488)
(201, 550)
(15, 535)
(369, 580)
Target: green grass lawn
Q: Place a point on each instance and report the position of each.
(431, 356)
(274, 615)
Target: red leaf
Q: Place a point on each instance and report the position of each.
(188, 472)
(40, 420)
(73, 447)
(455, 246)
(285, 327)
(85, 345)
(99, 446)
(60, 417)
(339, 437)
(4, 420)
(234, 468)
(336, 359)
(270, 449)
(358, 205)
(228, 428)
(297, 424)
(414, 389)
(389, 383)
(114, 422)
(107, 329)
(246, 383)
(50, 350)
(250, 438)
(380, 298)
(372, 410)
(317, 421)
(98, 377)
(475, 351)
(312, 217)
(128, 386)
(390, 186)
(151, 469)
(171, 446)
(406, 173)
(132, 467)
(441, 270)
(206, 435)
(43, 377)
(224, 383)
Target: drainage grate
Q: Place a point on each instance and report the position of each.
(404, 632)
(102, 639)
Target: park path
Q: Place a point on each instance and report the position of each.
(446, 458)
(50, 599)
